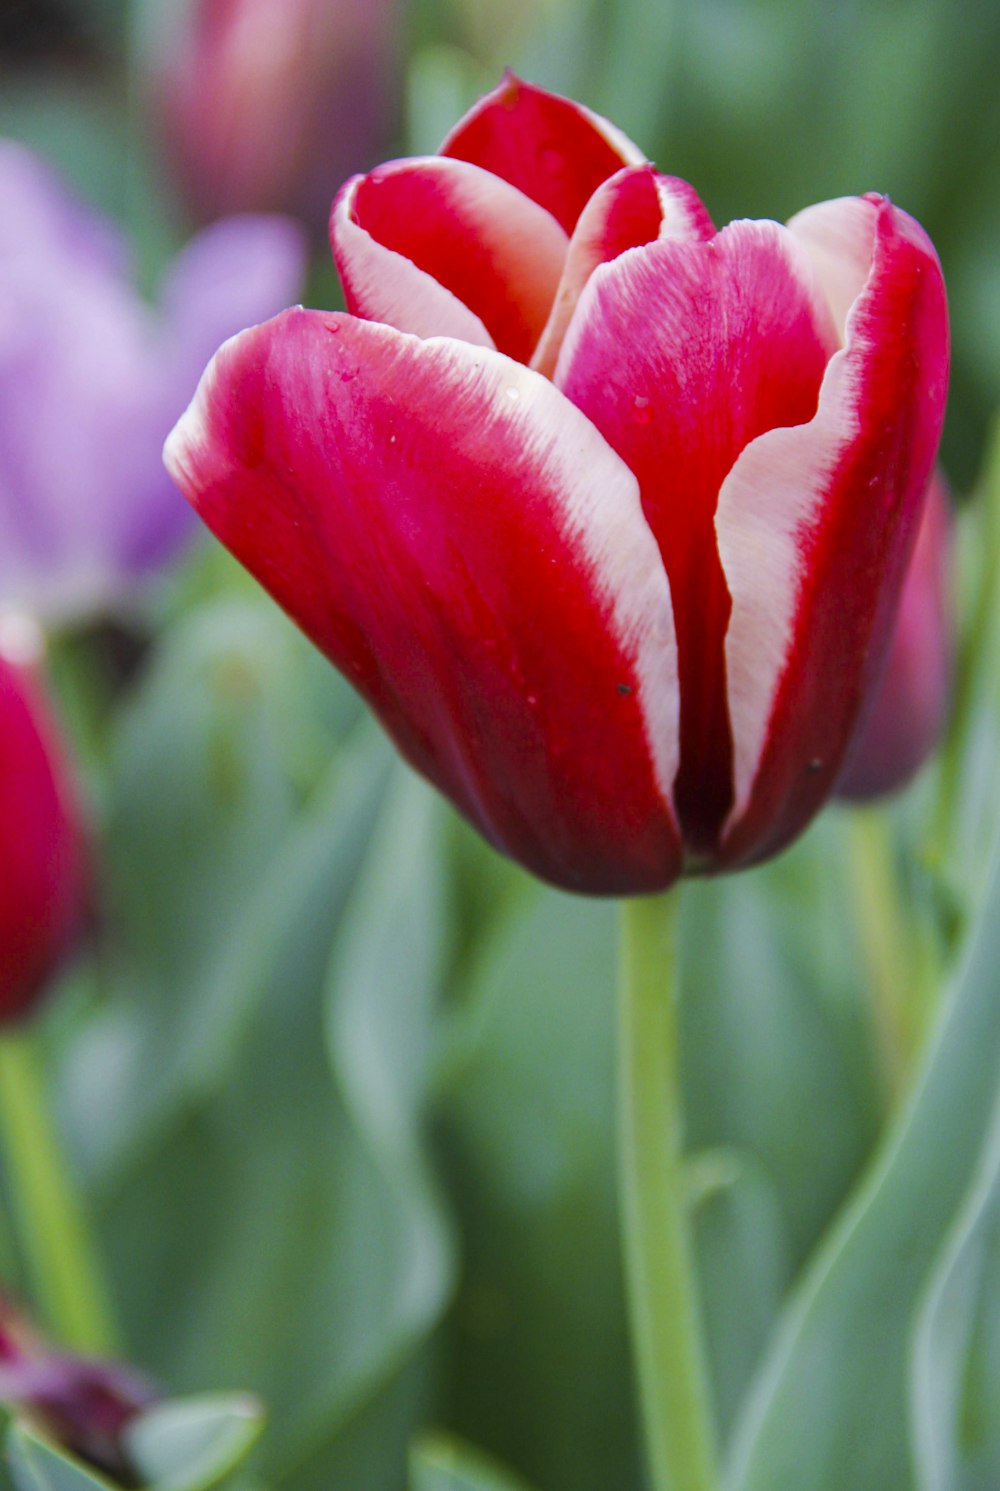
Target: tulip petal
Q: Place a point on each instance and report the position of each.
(463, 544)
(479, 240)
(633, 207)
(906, 714)
(680, 353)
(816, 524)
(553, 150)
(42, 888)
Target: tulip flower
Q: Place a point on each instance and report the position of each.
(82, 1403)
(910, 704)
(42, 887)
(91, 379)
(267, 104)
(606, 513)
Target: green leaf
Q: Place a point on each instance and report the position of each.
(280, 1232)
(955, 1370)
(743, 1255)
(775, 1026)
(527, 1112)
(202, 841)
(37, 1465)
(441, 1463)
(190, 1444)
(829, 1408)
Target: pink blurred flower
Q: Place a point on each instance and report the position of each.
(911, 704)
(43, 878)
(268, 104)
(92, 378)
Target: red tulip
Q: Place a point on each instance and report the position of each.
(41, 849)
(265, 104)
(604, 512)
(910, 703)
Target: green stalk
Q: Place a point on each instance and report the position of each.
(889, 947)
(55, 1243)
(659, 1264)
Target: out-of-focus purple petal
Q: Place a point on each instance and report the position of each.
(92, 380)
(78, 384)
(38, 216)
(234, 274)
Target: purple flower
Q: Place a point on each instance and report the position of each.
(92, 380)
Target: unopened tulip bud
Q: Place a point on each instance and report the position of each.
(267, 104)
(42, 875)
(80, 1402)
(910, 705)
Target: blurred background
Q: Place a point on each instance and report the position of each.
(336, 1082)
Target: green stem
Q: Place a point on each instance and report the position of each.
(659, 1262)
(54, 1237)
(888, 948)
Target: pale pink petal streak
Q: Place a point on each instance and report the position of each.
(465, 546)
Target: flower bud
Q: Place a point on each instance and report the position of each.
(42, 884)
(81, 1403)
(910, 705)
(268, 104)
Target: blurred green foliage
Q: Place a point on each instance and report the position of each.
(339, 1083)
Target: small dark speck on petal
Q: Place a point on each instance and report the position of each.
(815, 764)
(624, 688)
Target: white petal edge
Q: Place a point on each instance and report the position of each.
(409, 299)
(770, 498)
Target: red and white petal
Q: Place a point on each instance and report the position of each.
(479, 239)
(816, 525)
(633, 207)
(465, 546)
(380, 285)
(554, 150)
(681, 353)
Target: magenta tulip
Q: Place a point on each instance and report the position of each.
(910, 705)
(606, 513)
(267, 104)
(42, 887)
